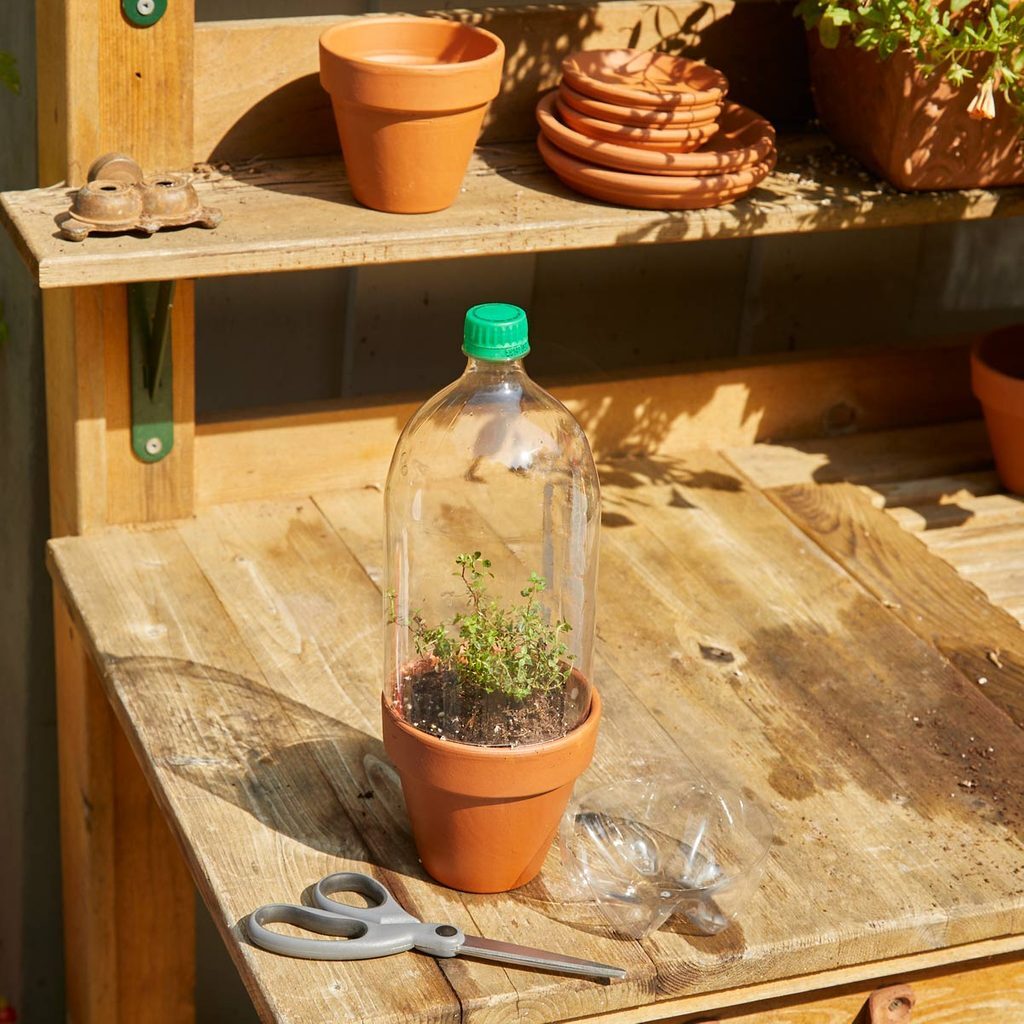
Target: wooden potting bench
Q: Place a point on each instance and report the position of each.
(767, 608)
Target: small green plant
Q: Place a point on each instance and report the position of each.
(9, 72)
(965, 39)
(511, 651)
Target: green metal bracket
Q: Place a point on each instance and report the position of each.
(149, 330)
(143, 13)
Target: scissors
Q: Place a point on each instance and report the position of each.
(384, 928)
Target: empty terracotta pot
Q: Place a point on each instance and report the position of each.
(997, 376)
(409, 97)
(484, 817)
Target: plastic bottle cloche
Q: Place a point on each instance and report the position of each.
(492, 512)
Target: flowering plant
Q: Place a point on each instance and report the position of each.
(965, 39)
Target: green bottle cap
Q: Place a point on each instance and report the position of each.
(497, 331)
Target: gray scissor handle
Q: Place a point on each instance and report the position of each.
(383, 908)
(362, 933)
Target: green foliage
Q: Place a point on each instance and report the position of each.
(497, 650)
(964, 39)
(4, 332)
(9, 73)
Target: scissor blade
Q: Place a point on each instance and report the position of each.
(526, 956)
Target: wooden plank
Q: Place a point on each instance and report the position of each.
(923, 591)
(154, 985)
(255, 783)
(932, 490)
(877, 457)
(279, 108)
(987, 992)
(106, 85)
(713, 722)
(299, 214)
(85, 737)
(239, 649)
(713, 404)
(313, 588)
(958, 514)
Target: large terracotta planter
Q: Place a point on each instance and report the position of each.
(484, 817)
(409, 97)
(997, 375)
(911, 129)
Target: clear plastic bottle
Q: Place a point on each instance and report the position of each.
(492, 513)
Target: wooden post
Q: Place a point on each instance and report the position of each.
(105, 85)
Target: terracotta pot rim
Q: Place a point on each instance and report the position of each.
(410, 70)
(494, 755)
(992, 386)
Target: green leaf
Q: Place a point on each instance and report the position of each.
(9, 73)
(829, 33)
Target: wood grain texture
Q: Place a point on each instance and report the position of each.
(881, 457)
(240, 650)
(942, 551)
(271, 454)
(106, 85)
(923, 590)
(278, 107)
(85, 741)
(299, 214)
(986, 993)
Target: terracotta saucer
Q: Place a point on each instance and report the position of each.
(640, 116)
(649, 191)
(744, 139)
(644, 79)
(671, 140)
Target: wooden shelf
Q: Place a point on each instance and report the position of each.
(240, 649)
(299, 214)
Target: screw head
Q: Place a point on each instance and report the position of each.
(145, 7)
(154, 446)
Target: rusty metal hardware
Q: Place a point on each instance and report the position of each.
(892, 1005)
(118, 198)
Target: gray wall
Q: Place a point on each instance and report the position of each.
(294, 337)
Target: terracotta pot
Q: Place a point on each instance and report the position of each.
(997, 376)
(912, 130)
(484, 817)
(409, 97)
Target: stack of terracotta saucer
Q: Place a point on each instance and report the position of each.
(651, 130)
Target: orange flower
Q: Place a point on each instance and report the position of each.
(983, 106)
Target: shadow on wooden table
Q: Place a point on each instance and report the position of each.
(293, 768)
